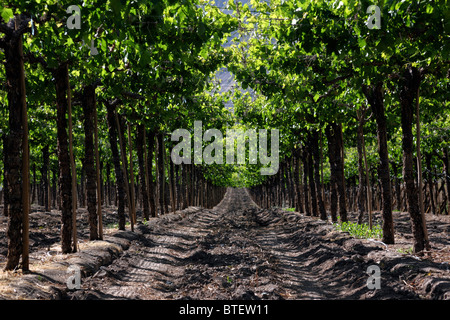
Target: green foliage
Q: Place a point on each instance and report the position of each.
(300, 65)
(304, 63)
(361, 231)
(161, 54)
(409, 250)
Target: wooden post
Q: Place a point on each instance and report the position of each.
(72, 164)
(132, 193)
(419, 172)
(368, 186)
(25, 165)
(171, 181)
(97, 164)
(49, 187)
(147, 186)
(124, 169)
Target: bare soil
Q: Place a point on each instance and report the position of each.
(233, 251)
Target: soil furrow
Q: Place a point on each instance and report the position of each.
(239, 251)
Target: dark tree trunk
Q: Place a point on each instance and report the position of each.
(374, 96)
(89, 163)
(5, 173)
(187, 169)
(182, 186)
(178, 186)
(193, 185)
(281, 184)
(172, 185)
(82, 195)
(151, 191)
(411, 82)
(45, 161)
(335, 150)
(316, 154)
(291, 183)
(446, 170)
(298, 192)
(361, 172)
(430, 182)
(65, 174)
(332, 150)
(108, 184)
(397, 186)
(140, 153)
(340, 182)
(166, 178)
(161, 182)
(305, 180)
(132, 201)
(55, 188)
(13, 158)
(33, 191)
(117, 166)
(124, 157)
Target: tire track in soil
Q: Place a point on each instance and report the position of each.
(239, 251)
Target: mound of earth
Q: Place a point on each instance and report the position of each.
(237, 251)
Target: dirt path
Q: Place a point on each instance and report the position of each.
(239, 251)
